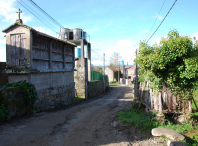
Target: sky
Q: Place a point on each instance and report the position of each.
(113, 25)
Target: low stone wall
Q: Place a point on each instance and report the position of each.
(96, 88)
(3, 77)
(55, 97)
(50, 98)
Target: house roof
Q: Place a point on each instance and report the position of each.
(35, 31)
(131, 68)
(113, 68)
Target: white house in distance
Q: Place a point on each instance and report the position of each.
(131, 72)
(112, 73)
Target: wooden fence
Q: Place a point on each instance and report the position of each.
(163, 101)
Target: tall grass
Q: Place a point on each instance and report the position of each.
(147, 121)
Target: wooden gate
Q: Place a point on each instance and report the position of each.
(18, 50)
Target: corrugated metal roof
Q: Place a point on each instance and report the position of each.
(38, 32)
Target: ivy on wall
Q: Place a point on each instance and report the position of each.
(24, 102)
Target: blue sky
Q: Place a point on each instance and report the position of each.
(114, 25)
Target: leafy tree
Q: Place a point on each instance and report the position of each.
(115, 58)
(174, 63)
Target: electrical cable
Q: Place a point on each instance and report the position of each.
(96, 53)
(155, 19)
(131, 57)
(161, 22)
(36, 16)
(46, 13)
(35, 12)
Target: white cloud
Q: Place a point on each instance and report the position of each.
(158, 16)
(8, 12)
(125, 43)
(2, 55)
(144, 31)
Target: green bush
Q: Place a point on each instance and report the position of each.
(23, 103)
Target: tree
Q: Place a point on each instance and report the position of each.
(174, 64)
(115, 58)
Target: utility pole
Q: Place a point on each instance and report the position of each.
(104, 70)
(136, 79)
(118, 72)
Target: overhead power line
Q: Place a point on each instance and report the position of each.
(131, 57)
(35, 15)
(161, 22)
(46, 13)
(96, 53)
(156, 19)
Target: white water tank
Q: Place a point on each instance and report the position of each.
(65, 34)
(77, 34)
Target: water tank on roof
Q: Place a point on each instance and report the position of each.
(77, 52)
(84, 35)
(65, 34)
(122, 62)
(78, 34)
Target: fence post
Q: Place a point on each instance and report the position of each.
(160, 102)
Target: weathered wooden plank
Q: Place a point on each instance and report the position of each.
(156, 102)
(174, 99)
(160, 102)
(13, 50)
(151, 97)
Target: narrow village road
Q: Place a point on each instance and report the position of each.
(89, 123)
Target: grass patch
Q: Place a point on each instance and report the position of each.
(113, 83)
(138, 119)
(147, 121)
(78, 98)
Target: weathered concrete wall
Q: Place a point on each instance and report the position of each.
(3, 77)
(96, 88)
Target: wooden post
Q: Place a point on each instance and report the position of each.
(190, 106)
(195, 103)
(151, 99)
(104, 70)
(160, 102)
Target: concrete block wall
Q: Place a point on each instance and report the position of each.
(96, 88)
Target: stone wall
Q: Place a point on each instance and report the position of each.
(96, 88)
(55, 97)
(3, 77)
(80, 77)
(50, 98)
(54, 89)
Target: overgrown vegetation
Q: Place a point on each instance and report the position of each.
(173, 63)
(24, 102)
(147, 121)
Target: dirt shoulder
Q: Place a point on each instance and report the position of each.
(94, 122)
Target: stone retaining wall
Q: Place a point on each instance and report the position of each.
(55, 97)
(49, 98)
(96, 88)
